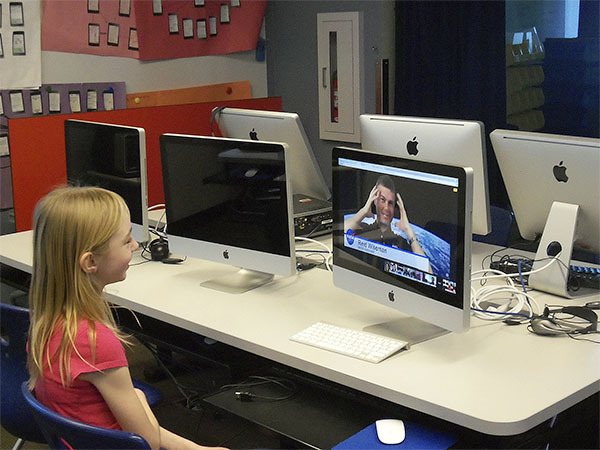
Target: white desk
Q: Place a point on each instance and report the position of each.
(496, 379)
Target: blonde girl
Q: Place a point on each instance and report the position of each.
(77, 365)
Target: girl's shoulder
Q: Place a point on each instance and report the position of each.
(101, 329)
(103, 340)
(84, 326)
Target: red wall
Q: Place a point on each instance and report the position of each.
(37, 145)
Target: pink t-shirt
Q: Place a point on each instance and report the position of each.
(81, 400)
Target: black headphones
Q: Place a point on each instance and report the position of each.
(159, 249)
(549, 325)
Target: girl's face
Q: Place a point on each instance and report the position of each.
(112, 264)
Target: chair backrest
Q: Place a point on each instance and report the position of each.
(66, 434)
(15, 417)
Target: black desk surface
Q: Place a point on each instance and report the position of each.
(312, 416)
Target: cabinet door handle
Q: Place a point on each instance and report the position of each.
(324, 75)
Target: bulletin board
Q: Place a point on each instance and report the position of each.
(95, 27)
(38, 157)
(56, 98)
(50, 99)
(20, 49)
(198, 27)
(152, 29)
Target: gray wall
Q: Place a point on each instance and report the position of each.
(291, 33)
(142, 76)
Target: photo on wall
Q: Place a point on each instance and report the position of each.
(93, 6)
(94, 34)
(17, 18)
(133, 39)
(18, 43)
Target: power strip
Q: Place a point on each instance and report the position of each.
(509, 265)
(582, 276)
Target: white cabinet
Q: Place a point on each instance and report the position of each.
(340, 75)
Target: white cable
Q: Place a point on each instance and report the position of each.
(329, 252)
(516, 274)
(162, 216)
(160, 219)
(513, 299)
(322, 257)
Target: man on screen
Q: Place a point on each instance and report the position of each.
(381, 202)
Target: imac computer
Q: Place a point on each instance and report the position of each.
(273, 126)
(553, 184)
(454, 142)
(402, 237)
(229, 201)
(112, 157)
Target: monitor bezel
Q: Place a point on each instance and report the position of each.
(443, 141)
(139, 229)
(256, 260)
(278, 126)
(427, 305)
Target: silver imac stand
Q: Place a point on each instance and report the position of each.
(557, 240)
(408, 329)
(239, 282)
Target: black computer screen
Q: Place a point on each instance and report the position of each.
(226, 192)
(107, 156)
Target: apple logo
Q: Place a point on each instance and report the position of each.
(411, 146)
(253, 135)
(391, 296)
(560, 173)
(226, 254)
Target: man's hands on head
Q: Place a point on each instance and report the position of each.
(366, 209)
(403, 223)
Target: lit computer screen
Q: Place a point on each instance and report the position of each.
(402, 234)
(113, 157)
(275, 126)
(229, 201)
(454, 142)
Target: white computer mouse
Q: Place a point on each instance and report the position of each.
(390, 431)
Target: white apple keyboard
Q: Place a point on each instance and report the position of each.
(358, 344)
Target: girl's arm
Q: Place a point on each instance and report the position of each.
(117, 389)
(130, 408)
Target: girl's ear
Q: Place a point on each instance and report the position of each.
(88, 263)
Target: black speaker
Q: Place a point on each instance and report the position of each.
(159, 249)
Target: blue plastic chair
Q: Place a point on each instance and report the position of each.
(153, 396)
(66, 434)
(15, 417)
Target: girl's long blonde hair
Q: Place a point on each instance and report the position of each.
(68, 222)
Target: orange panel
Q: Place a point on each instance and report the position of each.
(215, 92)
(37, 145)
